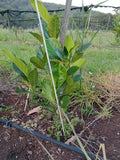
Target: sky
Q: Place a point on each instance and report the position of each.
(89, 2)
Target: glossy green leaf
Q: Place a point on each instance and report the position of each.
(19, 72)
(43, 11)
(37, 36)
(46, 34)
(83, 47)
(59, 73)
(70, 87)
(33, 77)
(40, 54)
(61, 88)
(37, 62)
(79, 63)
(74, 48)
(52, 45)
(53, 27)
(69, 43)
(64, 101)
(59, 52)
(76, 56)
(72, 70)
(48, 91)
(20, 64)
(77, 77)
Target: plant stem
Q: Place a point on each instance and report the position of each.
(26, 102)
(78, 140)
(57, 101)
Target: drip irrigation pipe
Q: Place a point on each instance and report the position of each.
(61, 144)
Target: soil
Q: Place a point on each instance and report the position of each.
(16, 144)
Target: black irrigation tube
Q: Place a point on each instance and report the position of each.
(72, 148)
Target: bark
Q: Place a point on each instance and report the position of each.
(65, 22)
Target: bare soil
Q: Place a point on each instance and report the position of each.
(15, 144)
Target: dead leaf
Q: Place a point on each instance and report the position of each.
(34, 110)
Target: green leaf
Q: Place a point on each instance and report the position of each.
(74, 48)
(52, 45)
(94, 35)
(33, 77)
(37, 62)
(77, 77)
(76, 56)
(20, 64)
(19, 72)
(40, 54)
(53, 26)
(45, 31)
(48, 91)
(83, 47)
(43, 11)
(61, 88)
(37, 36)
(18, 90)
(59, 52)
(70, 87)
(79, 63)
(64, 101)
(72, 70)
(59, 73)
(69, 43)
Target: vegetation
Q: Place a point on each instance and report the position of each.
(26, 20)
(117, 27)
(66, 63)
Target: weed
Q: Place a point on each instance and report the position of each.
(56, 128)
(105, 112)
(8, 108)
(87, 109)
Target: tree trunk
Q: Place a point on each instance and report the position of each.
(65, 22)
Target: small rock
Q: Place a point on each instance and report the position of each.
(59, 149)
(21, 138)
(29, 152)
(118, 133)
(63, 153)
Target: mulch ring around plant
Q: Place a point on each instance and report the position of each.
(15, 144)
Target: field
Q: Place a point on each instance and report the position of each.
(103, 56)
(96, 104)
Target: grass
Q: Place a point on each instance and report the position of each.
(101, 57)
(23, 46)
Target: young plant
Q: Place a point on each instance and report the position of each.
(65, 62)
(56, 128)
(116, 29)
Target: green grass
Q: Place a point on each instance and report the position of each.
(101, 57)
(23, 46)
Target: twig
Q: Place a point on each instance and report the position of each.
(18, 100)
(102, 146)
(73, 138)
(43, 146)
(76, 136)
(27, 98)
